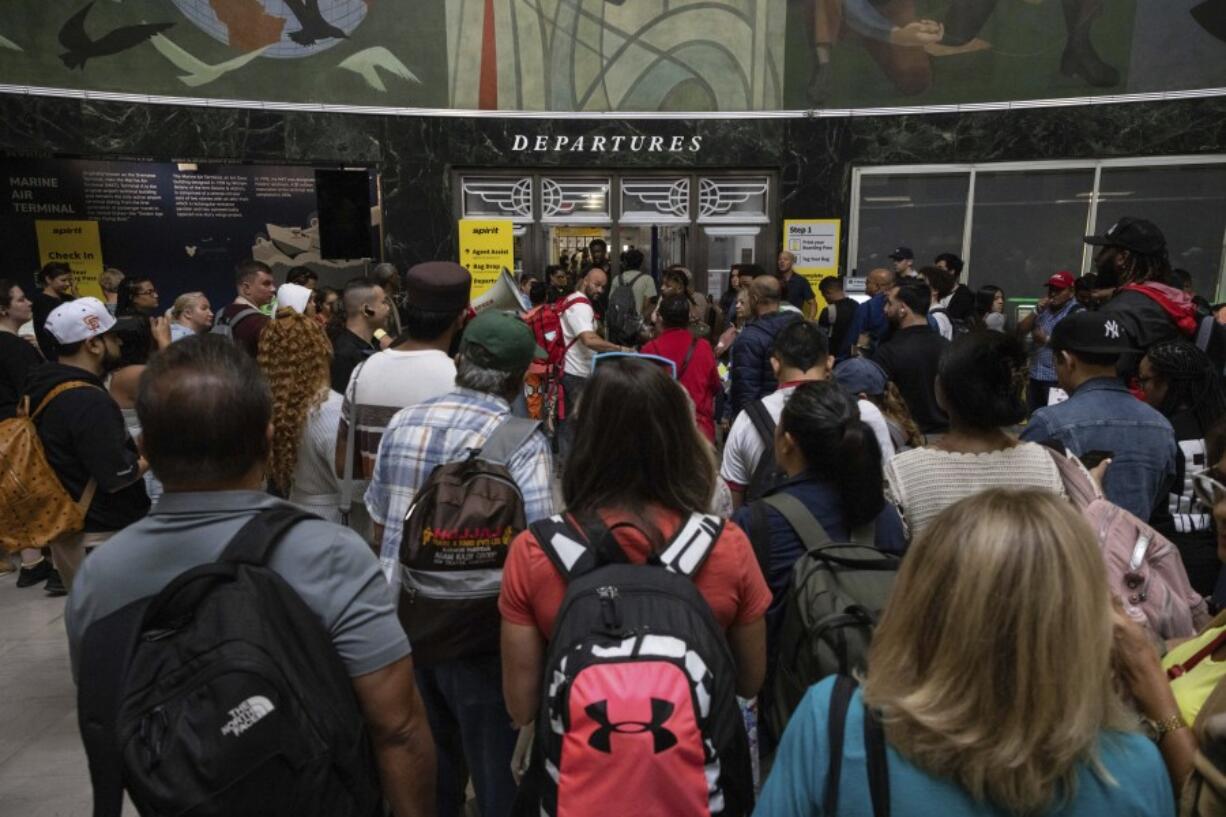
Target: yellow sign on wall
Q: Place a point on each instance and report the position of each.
(815, 244)
(487, 246)
(76, 244)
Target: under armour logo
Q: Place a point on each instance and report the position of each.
(662, 738)
(1111, 329)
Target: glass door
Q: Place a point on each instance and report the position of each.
(726, 246)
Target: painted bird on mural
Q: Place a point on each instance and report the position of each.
(82, 47)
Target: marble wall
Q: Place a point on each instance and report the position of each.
(813, 157)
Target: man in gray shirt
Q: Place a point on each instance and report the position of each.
(205, 414)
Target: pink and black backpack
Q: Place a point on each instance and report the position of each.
(638, 702)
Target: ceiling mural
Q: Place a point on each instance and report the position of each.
(615, 55)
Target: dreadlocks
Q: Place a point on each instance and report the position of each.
(1193, 383)
(1141, 268)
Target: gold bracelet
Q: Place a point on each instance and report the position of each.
(1165, 726)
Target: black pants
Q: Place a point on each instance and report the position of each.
(966, 18)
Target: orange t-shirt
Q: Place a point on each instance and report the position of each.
(730, 580)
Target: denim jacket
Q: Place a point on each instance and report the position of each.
(1103, 416)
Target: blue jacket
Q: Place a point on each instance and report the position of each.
(870, 318)
(752, 376)
(1102, 415)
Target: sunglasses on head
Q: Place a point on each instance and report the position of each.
(662, 362)
(1209, 486)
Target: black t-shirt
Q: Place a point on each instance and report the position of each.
(17, 357)
(836, 319)
(84, 437)
(910, 358)
(43, 306)
(797, 291)
(348, 350)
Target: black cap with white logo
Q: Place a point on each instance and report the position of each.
(1135, 234)
(1098, 333)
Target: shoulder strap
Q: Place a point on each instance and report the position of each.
(836, 725)
(689, 354)
(760, 535)
(507, 439)
(690, 546)
(351, 394)
(57, 391)
(572, 550)
(810, 531)
(242, 315)
(878, 763)
(762, 421)
(1204, 334)
(255, 541)
(636, 278)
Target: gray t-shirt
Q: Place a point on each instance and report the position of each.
(330, 567)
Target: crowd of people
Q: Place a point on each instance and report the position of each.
(635, 547)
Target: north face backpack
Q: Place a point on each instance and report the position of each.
(833, 602)
(959, 326)
(624, 320)
(223, 695)
(638, 706)
(33, 503)
(456, 536)
(767, 474)
(225, 326)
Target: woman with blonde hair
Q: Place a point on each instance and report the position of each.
(190, 315)
(990, 684)
(297, 358)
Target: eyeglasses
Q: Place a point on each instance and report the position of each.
(1209, 486)
(662, 362)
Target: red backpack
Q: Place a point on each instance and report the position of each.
(545, 377)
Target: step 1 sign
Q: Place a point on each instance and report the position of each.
(814, 243)
(487, 246)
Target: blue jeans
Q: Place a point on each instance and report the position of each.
(473, 734)
(572, 386)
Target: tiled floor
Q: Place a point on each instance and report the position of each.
(42, 764)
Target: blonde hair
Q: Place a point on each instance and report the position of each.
(183, 303)
(296, 358)
(992, 662)
(110, 279)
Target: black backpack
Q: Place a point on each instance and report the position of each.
(639, 687)
(833, 602)
(223, 695)
(623, 320)
(960, 326)
(875, 759)
(767, 474)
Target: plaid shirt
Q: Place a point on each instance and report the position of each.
(1043, 365)
(423, 437)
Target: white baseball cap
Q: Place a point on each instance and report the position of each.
(79, 320)
(295, 296)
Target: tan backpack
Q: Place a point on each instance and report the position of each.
(34, 505)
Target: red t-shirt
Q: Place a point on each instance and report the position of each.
(701, 375)
(730, 581)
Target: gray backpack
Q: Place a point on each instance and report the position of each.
(623, 321)
(833, 602)
(225, 327)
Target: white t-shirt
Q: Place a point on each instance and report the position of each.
(578, 318)
(316, 485)
(400, 379)
(944, 325)
(744, 447)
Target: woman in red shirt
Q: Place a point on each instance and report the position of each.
(640, 465)
(697, 370)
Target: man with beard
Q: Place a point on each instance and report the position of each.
(83, 433)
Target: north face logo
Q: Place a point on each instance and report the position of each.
(661, 738)
(247, 714)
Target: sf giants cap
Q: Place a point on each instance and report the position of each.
(1091, 332)
(1134, 234)
(1061, 280)
(79, 320)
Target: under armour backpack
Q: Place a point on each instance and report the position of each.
(224, 695)
(624, 320)
(766, 474)
(456, 535)
(546, 324)
(833, 602)
(638, 705)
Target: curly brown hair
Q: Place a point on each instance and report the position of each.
(296, 357)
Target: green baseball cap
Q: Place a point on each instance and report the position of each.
(501, 341)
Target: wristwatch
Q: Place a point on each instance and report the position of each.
(1157, 730)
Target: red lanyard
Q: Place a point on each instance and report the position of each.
(1200, 655)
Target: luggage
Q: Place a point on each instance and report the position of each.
(456, 536)
(224, 695)
(639, 688)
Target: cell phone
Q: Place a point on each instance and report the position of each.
(1092, 459)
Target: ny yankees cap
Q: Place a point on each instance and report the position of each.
(79, 320)
(1091, 332)
(1135, 234)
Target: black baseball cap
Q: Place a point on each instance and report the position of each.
(902, 254)
(1134, 234)
(1097, 333)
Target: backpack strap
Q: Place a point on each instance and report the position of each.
(91, 486)
(1204, 333)
(690, 546)
(762, 421)
(239, 317)
(802, 520)
(507, 439)
(689, 354)
(836, 725)
(351, 432)
(569, 548)
(760, 535)
(255, 540)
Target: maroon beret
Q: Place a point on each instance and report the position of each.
(438, 285)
